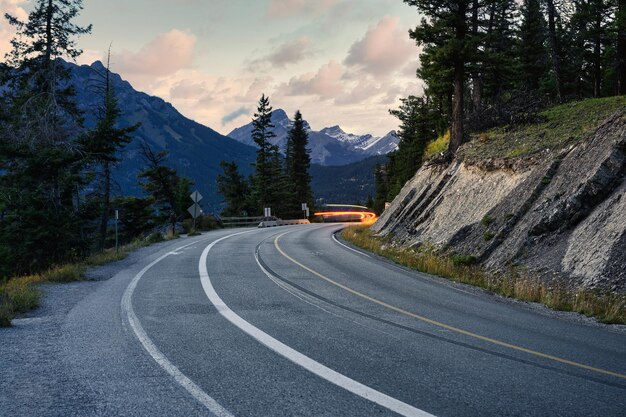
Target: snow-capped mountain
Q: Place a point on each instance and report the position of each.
(371, 145)
(329, 146)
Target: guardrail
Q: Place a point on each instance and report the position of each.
(242, 221)
(279, 222)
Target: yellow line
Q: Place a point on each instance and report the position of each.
(443, 325)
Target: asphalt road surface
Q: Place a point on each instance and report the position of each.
(292, 322)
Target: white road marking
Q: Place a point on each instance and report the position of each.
(293, 355)
(127, 307)
(348, 247)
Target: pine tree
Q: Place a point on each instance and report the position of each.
(268, 178)
(382, 189)
(532, 51)
(42, 158)
(298, 163)
(235, 190)
(103, 145)
(620, 21)
(446, 39)
(416, 129)
(169, 190)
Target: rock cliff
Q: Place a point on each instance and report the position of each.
(557, 215)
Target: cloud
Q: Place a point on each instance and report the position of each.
(325, 83)
(383, 49)
(164, 55)
(231, 117)
(364, 90)
(290, 8)
(187, 90)
(7, 32)
(287, 53)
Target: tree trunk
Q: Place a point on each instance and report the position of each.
(476, 76)
(456, 130)
(106, 204)
(554, 50)
(621, 47)
(49, 13)
(597, 48)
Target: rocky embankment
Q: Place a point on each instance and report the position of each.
(556, 215)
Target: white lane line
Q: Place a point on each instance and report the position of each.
(348, 247)
(293, 355)
(127, 307)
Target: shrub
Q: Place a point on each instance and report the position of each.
(155, 237)
(486, 220)
(437, 146)
(461, 260)
(64, 273)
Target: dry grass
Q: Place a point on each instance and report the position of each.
(437, 146)
(21, 294)
(607, 308)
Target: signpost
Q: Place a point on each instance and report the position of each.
(305, 210)
(117, 217)
(195, 210)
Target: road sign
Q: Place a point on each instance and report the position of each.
(196, 197)
(304, 206)
(195, 210)
(268, 212)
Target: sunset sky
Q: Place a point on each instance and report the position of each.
(340, 62)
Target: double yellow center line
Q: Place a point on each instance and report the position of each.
(444, 325)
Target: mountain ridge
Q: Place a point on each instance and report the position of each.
(330, 146)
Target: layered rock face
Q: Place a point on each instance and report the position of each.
(557, 216)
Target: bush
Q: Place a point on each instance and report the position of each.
(462, 260)
(155, 237)
(437, 146)
(65, 273)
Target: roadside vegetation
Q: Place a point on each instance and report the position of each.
(556, 128)
(607, 308)
(21, 294)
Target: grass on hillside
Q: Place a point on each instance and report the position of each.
(21, 294)
(607, 308)
(560, 126)
(437, 146)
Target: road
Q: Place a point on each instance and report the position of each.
(291, 322)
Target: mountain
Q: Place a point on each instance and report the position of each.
(329, 146)
(194, 150)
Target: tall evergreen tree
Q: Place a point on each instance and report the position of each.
(169, 190)
(41, 156)
(532, 52)
(620, 21)
(446, 39)
(268, 179)
(103, 146)
(235, 190)
(298, 162)
(416, 129)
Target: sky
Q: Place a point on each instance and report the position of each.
(344, 62)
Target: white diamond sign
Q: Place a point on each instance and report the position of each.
(195, 197)
(195, 210)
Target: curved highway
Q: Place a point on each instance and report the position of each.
(292, 322)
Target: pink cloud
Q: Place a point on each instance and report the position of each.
(289, 8)
(7, 32)
(383, 49)
(325, 83)
(285, 54)
(164, 55)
